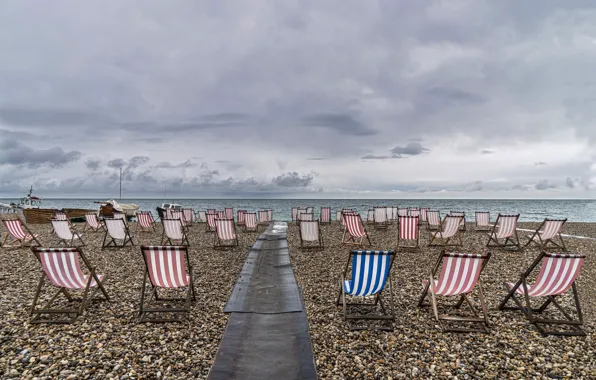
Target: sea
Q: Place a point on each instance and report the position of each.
(575, 210)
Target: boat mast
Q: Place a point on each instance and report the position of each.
(120, 183)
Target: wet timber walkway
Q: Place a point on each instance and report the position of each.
(267, 334)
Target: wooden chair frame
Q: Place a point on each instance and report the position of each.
(219, 243)
(99, 222)
(400, 239)
(352, 239)
(69, 243)
(140, 228)
(112, 243)
(433, 235)
(481, 228)
(543, 244)
(22, 242)
(462, 226)
(166, 240)
(509, 243)
(304, 243)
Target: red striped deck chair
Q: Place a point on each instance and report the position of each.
(250, 222)
(462, 226)
(168, 270)
(354, 232)
(338, 216)
(294, 213)
(504, 233)
(402, 211)
(211, 222)
(433, 219)
(118, 233)
(394, 213)
(310, 235)
(225, 234)
(298, 212)
(306, 217)
(60, 215)
(93, 223)
(19, 233)
(211, 211)
(178, 214)
(414, 211)
(66, 233)
(145, 222)
(221, 214)
(168, 214)
(448, 231)
(229, 212)
(460, 273)
(240, 217)
(263, 217)
(325, 215)
(380, 218)
(423, 215)
(270, 215)
(370, 217)
(62, 268)
(174, 232)
(558, 273)
(389, 214)
(408, 233)
(370, 274)
(482, 220)
(189, 216)
(201, 217)
(547, 233)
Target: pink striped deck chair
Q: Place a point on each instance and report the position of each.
(298, 212)
(402, 211)
(60, 215)
(19, 233)
(408, 231)
(370, 217)
(558, 273)
(250, 222)
(423, 217)
(92, 222)
(394, 212)
(225, 234)
(229, 212)
(189, 216)
(433, 219)
(380, 218)
(211, 211)
(504, 233)
(62, 268)
(145, 222)
(201, 217)
(118, 233)
(211, 222)
(448, 231)
(221, 214)
(240, 217)
(338, 216)
(354, 232)
(460, 273)
(389, 214)
(65, 233)
(178, 214)
(167, 268)
(462, 226)
(545, 235)
(174, 232)
(270, 215)
(294, 213)
(263, 217)
(325, 215)
(306, 217)
(482, 221)
(310, 210)
(413, 211)
(310, 235)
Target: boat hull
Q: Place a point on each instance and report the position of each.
(45, 215)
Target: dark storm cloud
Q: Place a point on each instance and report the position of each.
(293, 179)
(413, 148)
(13, 152)
(339, 123)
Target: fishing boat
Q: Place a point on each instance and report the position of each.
(161, 211)
(34, 214)
(108, 208)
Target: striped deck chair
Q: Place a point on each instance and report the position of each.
(325, 215)
(310, 235)
(380, 218)
(167, 268)
(229, 212)
(145, 222)
(19, 233)
(178, 214)
(389, 214)
(459, 276)
(189, 216)
(174, 232)
(221, 214)
(338, 216)
(306, 217)
(66, 233)
(298, 212)
(250, 222)
(60, 215)
(294, 213)
(482, 221)
(408, 231)
(448, 231)
(423, 214)
(211, 211)
(370, 217)
(558, 273)
(370, 273)
(402, 211)
(354, 231)
(225, 234)
(310, 210)
(433, 219)
(62, 267)
(462, 226)
(270, 215)
(504, 230)
(240, 217)
(202, 217)
(414, 211)
(394, 212)
(92, 222)
(263, 217)
(117, 230)
(211, 222)
(545, 235)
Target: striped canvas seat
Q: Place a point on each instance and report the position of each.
(298, 213)
(117, 232)
(433, 219)
(202, 217)
(548, 235)
(414, 212)
(92, 222)
(174, 232)
(325, 214)
(482, 221)
(240, 217)
(269, 215)
(310, 234)
(380, 217)
(65, 233)
(211, 222)
(370, 216)
(558, 274)
(304, 216)
(394, 212)
(263, 217)
(211, 211)
(462, 226)
(62, 267)
(145, 221)
(166, 267)
(401, 211)
(310, 210)
(225, 233)
(423, 216)
(60, 215)
(338, 216)
(294, 213)
(449, 230)
(250, 222)
(229, 213)
(221, 214)
(354, 232)
(189, 216)
(408, 232)
(504, 233)
(460, 273)
(19, 234)
(370, 274)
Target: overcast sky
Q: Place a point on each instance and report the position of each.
(400, 99)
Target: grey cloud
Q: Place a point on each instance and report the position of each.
(27, 117)
(338, 122)
(487, 151)
(413, 148)
(455, 95)
(116, 163)
(376, 157)
(168, 165)
(316, 158)
(93, 164)
(544, 185)
(539, 163)
(293, 179)
(12, 152)
(570, 183)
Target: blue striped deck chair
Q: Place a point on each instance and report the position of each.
(370, 275)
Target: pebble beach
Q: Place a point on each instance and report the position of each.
(107, 341)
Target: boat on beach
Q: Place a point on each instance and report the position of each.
(108, 208)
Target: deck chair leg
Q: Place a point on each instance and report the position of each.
(577, 304)
(36, 296)
(482, 303)
(142, 306)
(434, 299)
